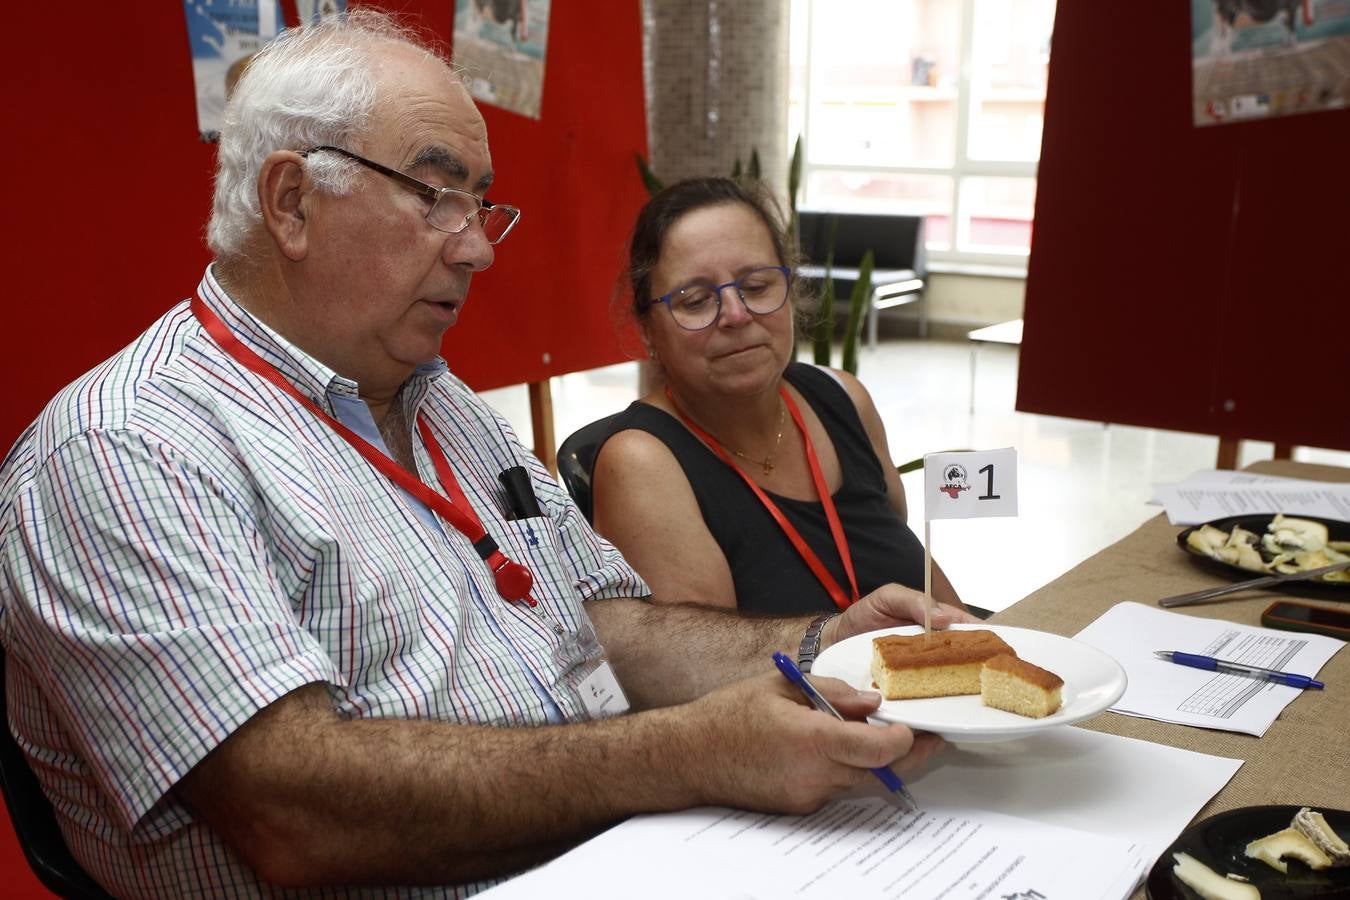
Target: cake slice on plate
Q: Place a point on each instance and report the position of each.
(1017, 686)
(940, 664)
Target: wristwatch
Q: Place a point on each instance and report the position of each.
(806, 653)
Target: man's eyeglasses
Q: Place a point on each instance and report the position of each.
(451, 209)
(695, 307)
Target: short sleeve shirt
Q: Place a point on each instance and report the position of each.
(181, 545)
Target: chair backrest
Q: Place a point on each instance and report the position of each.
(35, 822)
(576, 461)
(896, 241)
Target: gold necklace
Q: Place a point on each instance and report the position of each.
(767, 462)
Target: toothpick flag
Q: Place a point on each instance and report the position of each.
(964, 485)
(970, 484)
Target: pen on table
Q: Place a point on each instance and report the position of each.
(896, 792)
(1196, 661)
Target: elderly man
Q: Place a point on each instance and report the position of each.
(268, 620)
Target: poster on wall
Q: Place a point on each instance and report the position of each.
(224, 35)
(500, 45)
(1254, 59)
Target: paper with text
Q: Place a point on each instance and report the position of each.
(1111, 785)
(1209, 495)
(856, 849)
(1165, 691)
(966, 485)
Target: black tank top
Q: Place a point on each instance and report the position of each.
(769, 575)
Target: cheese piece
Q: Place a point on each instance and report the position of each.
(1209, 884)
(1272, 849)
(1206, 539)
(1313, 825)
(1297, 534)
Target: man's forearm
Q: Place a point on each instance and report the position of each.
(671, 653)
(307, 798)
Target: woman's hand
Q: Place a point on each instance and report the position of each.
(888, 606)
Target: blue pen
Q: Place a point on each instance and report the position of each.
(1196, 661)
(896, 793)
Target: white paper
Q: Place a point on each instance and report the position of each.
(857, 849)
(1168, 692)
(1047, 797)
(1121, 787)
(1227, 476)
(971, 484)
(1209, 495)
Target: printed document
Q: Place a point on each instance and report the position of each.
(1209, 495)
(1031, 819)
(1116, 786)
(1168, 692)
(857, 849)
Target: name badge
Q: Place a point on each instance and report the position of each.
(601, 694)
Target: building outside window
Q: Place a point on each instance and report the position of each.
(927, 107)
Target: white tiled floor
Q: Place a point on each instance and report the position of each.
(1082, 485)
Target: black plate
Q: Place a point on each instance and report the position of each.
(1336, 531)
(1218, 842)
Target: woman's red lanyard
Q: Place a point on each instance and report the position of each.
(822, 490)
(513, 579)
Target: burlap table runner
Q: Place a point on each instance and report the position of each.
(1304, 758)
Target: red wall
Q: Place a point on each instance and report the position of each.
(1195, 279)
(106, 190)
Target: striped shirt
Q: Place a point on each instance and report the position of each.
(181, 544)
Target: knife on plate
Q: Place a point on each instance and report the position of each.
(1265, 581)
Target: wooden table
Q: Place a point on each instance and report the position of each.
(1304, 758)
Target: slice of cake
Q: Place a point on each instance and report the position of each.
(940, 664)
(1017, 686)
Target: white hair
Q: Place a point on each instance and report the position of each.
(310, 86)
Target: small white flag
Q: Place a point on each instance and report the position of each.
(970, 485)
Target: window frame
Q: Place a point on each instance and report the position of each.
(961, 168)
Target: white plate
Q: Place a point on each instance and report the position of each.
(1092, 682)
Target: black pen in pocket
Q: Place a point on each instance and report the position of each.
(520, 499)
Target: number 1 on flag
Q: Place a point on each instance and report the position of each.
(970, 485)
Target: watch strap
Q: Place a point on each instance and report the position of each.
(810, 647)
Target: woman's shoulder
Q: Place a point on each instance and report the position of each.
(641, 436)
(827, 384)
(644, 423)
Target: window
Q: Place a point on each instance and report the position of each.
(930, 107)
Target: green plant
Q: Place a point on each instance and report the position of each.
(823, 329)
(862, 291)
(649, 179)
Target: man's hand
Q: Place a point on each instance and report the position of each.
(758, 745)
(886, 607)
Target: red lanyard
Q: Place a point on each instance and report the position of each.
(513, 579)
(822, 490)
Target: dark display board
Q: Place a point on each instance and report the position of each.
(1194, 279)
(106, 190)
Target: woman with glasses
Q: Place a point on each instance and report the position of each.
(748, 480)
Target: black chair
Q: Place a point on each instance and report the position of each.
(899, 257)
(576, 461)
(35, 822)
